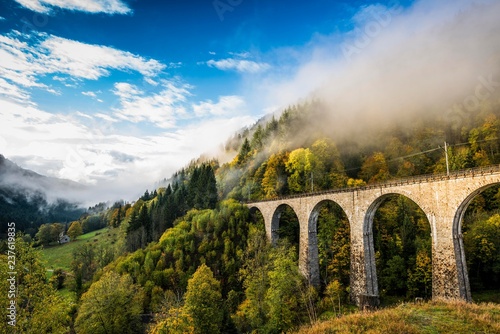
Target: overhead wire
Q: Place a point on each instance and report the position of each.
(423, 152)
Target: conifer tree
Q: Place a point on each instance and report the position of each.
(244, 151)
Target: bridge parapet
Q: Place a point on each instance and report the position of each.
(425, 178)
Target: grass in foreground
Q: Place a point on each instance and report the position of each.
(432, 317)
(59, 256)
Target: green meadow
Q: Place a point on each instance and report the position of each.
(59, 256)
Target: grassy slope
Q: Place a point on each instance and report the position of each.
(60, 256)
(432, 317)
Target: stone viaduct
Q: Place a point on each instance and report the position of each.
(443, 199)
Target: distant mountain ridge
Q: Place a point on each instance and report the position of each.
(11, 174)
(30, 199)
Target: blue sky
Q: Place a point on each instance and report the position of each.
(124, 92)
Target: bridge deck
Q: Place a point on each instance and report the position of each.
(426, 178)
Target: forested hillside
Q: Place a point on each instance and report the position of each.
(30, 199)
(191, 257)
(297, 152)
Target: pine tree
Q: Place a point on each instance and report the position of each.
(244, 152)
(258, 138)
(194, 197)
(145, 224)
(134, 222)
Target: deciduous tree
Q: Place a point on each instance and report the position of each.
(300, 165)
(39, 308)
(75, 230)
(44, 234)
(375, 168)
(111, 305)
(203, 301)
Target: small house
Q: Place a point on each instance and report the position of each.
(63, 238)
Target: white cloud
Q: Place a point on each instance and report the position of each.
(106, 117)
(161, 108)
(27, 59)
(67, 81)
(29, 131)
(62, 146)
(126, 91)
(238, 65)
(174, 64)
(53, 91)
(240, 54)
(79, 113)
(19, 61)
(151, 81)
(92, 61)
(2, 18)
(13, 92)
(91, 94)
(89, 6)
(226, 105)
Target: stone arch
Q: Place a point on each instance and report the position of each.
(275, 220)
(458, 242)
(372, 288)
(254, 211)
(313, 250)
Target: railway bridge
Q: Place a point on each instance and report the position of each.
(443, 198)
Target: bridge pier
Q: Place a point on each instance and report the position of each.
(308, 253)
(309, 258)
(449, 272)
(360, 281)
(363, 277)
